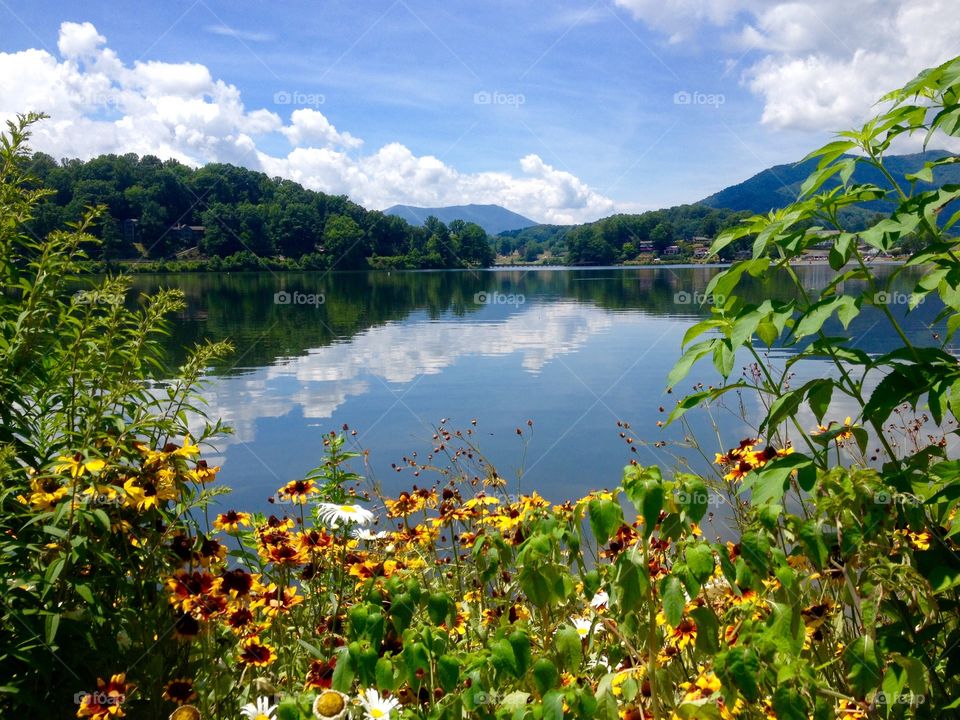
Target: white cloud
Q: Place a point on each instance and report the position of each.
(311, 126)
(823, 63)
(79, 40)
(98, 104)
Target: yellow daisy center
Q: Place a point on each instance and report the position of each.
(329, 704)
(377, 713)
(349, 509)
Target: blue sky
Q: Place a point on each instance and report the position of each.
(562, 111)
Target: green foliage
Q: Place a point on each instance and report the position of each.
(94, 491)
(157, 209)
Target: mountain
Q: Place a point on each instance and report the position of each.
(779, 186)
(492, 218)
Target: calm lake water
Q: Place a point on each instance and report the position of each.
(391, 354)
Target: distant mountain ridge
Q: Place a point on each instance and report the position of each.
(778, 186)
(492, 218)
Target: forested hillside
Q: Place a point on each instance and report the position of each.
(162, 208)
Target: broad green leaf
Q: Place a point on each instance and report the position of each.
(673, 600)
(700, 561)
(605, 517)
(569, 648)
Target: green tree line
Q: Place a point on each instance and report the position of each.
(158, 208)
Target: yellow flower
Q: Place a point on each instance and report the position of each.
(44, 493)
(145, 494)
(702, 688)
(188, 449)
(920, 540)
(77, 466)
(231, 521)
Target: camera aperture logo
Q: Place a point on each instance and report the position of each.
(296, 297)
(885, 297)
(498, 298)
(697, 298)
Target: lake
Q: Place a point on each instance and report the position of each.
(391, 354)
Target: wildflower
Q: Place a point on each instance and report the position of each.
(185, 712)
(600, 600)
(315, 540)
(236, 582)
(44, 493)
(404, 506)
(203, 473)
(186, 588)
(332, 514)
(298, 491)
(582, 626)
(260, 710)
(320, 674)
(920, 540)
(684, 634)
(240, 621)
(186, 627)
(209, 606)
(367, 535)
(253, 652)
(231, 521)
(377, 707)
(702, 688)
(76, 465)
(212, 551)
(107, 701)
(330, 705)
(144, 494)
(188, 449)
(274, 601)
(285, 555)
(179, 691)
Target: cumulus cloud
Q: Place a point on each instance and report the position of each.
(100, 104)
(822, 64)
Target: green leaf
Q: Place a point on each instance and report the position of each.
(605, 517)
(863, 665)
(690, 356)
(553, 705)
(673, 600)
(741, 668)
(448, 672)
(789, 704)
(520, 642)
(607, 708)
(569, 648)
(769, 483)
(652, 504)
(288, 710)
(545, 675)
(700, 561)
(708, 630)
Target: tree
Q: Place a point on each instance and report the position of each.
(343, 243)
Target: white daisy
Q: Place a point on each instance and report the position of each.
(261, 710)
(582, 626)
(364, 534)
(376, 707)
(600, 600)
(331, 513)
